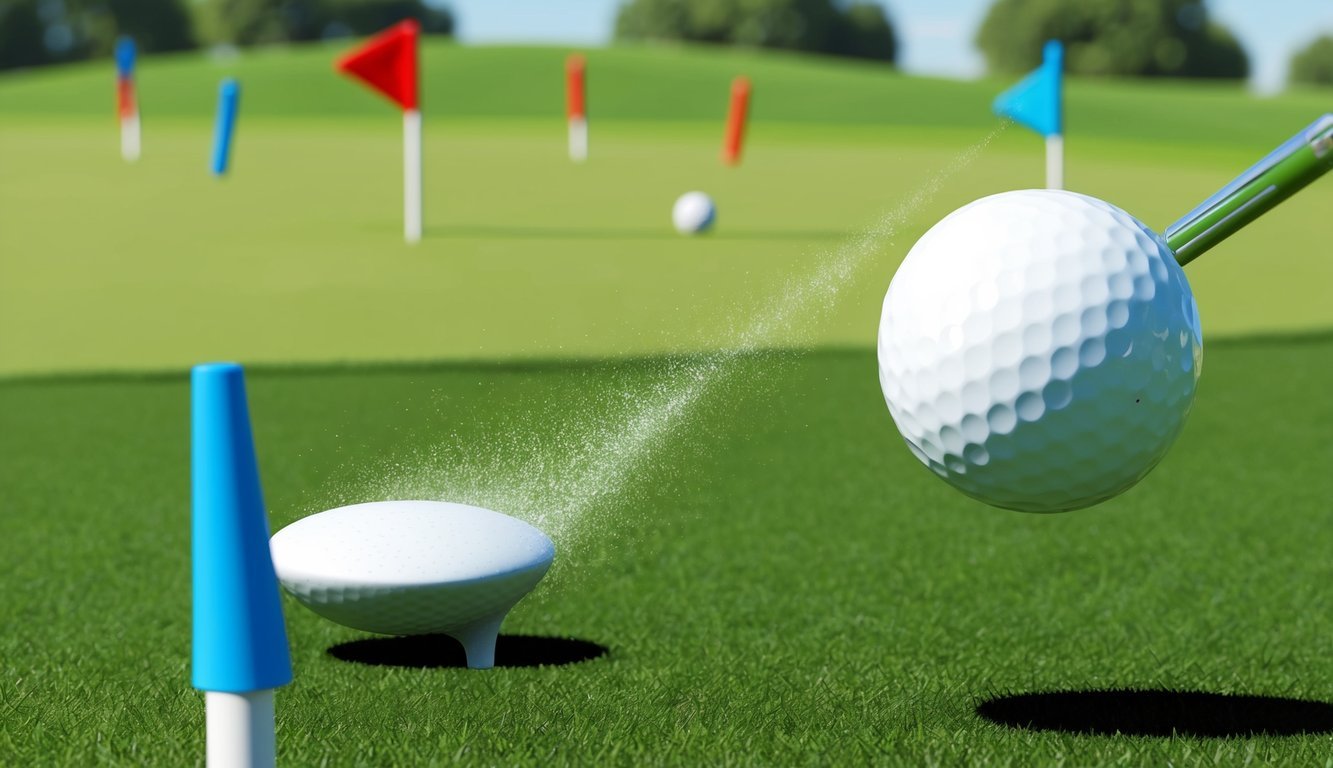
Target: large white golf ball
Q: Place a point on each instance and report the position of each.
(693, 213)
(1039, 350)
(413, 567)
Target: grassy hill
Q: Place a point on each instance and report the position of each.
(296, 256)
(660, 83)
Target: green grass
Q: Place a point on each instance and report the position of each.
(297, 256)
(777, 580)
(782, 585)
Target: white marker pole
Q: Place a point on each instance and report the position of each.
(578, 139)
(412, 175)
(129, 137)
(240, 729)
(1055, 161)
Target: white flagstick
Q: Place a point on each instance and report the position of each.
(578, 139)
(412, 175)
(129, 137)
(240, 729)
(1055, 161)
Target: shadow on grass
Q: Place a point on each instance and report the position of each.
(663, 232)
(442, 651)
(1159, 713)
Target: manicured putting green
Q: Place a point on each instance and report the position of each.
(297, 256)
(781, 583)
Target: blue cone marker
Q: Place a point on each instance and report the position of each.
(229, 97)
(240, 649)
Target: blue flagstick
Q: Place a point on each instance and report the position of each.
(229, 97)
(1038, 102)
(240, 649)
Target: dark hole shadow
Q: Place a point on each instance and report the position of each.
(1159, 713)
(442, 651)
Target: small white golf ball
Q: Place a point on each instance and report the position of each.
(693, 213)
(1039, 350)
(413, 567)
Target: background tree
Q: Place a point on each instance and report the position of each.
(35, 32)
(21, 31)
(155, 25)
(1314, 63)
(858, 29)
(865, 33)
(1138, 38)
(256, 22)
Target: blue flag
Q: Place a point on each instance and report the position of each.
(125, 57)
(1038, 100)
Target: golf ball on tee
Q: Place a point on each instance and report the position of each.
(693, 213)
(413, 567)
(1039, 350)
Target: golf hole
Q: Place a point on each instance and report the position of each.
(1159, 713)
(444, 652)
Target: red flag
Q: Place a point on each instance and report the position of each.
(574, 86)
(387, 62)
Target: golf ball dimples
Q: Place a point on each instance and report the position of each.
(1039, 350)
(693, 213)
(410, 567)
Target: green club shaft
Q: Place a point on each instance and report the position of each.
(1302, 159)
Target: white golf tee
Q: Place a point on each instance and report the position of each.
(129, 138)
(240, 729)
(1055, 161)
(578, 139)
(412, 175)
(479, 638)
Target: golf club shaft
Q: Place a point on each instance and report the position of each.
(1302, 159)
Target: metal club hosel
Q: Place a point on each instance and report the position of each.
(1285, 171)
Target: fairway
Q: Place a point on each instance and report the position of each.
(782, 583)
(751, 567)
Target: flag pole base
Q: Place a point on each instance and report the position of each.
(578, 139)
(129, 138)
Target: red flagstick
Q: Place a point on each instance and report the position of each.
(388, 63)
(740, 105)
(575, 107)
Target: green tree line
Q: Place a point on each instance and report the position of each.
(1313, 64)
(1124, 38)
(1130, 38)
(1127, 38)
(857, 29)
(37, 32)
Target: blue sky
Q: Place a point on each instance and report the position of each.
(936, 35)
